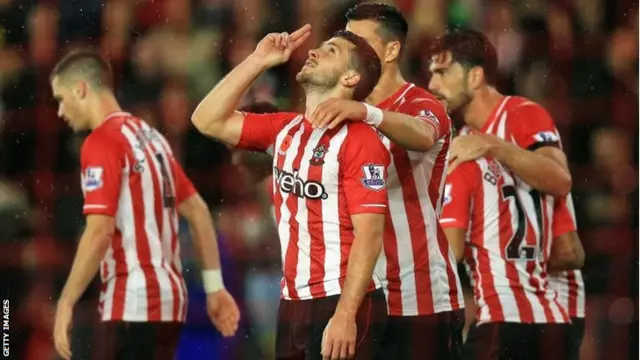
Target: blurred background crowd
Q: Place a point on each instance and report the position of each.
(578, 58)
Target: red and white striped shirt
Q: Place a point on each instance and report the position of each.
(417, 267)
(321, 178)
(129, 173)
(505, 252)
(529, 125)
(568, 284)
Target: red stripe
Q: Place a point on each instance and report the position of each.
(291, 257)
(393, 268)
(142, 241)
(417, 230)
(121, 277)
(160, 211)
(316, 228)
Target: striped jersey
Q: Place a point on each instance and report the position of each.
(129, 173)
(568, 284)
(417, 267)
(321, 178)
(529, 125)
(505, 251)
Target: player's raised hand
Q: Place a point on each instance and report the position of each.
(275, 49)
(223, 312)
(332, 112)
(466, 148)
(339, 338)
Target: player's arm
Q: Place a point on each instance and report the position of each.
(536, 157)
(457, 205)
(567, 252)
(367, 204)
(215, 116)
(544, 169)
(92, 248)
(102, 165)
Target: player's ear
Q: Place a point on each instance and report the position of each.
(350, 79)
(80, 89)
(392, 51)
(475, 77)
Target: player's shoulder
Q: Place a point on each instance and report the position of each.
(361, 132)
(109, 135)
(522, 104)
(469, 171)
(418, 95)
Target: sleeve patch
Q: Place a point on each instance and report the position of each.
(429, 115)
(446, 199)
(546, 136)
(373, 177)
(92, 178)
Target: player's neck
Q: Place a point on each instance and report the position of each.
(317, 97)
(478, 110)
(390, 82)
(103, 105)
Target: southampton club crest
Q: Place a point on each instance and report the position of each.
(373, 177)
(318, 155)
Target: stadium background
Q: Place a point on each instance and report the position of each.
(579, 58)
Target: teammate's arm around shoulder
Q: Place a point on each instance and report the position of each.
(215, 116)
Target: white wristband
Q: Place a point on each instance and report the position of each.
(374, 115)
(212, 280)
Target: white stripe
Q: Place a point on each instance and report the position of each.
(374, 205)
(331, 214)
(91, 206)
(447, 220)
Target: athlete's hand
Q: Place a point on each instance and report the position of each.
(223, 312)
(467, 148)
(61, 327)
(339, 338)
(332, 112)
(275, 49)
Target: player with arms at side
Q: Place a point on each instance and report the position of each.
(134, 190)
(329, 194)
(516, 131)
(417, 267)
(518, 315)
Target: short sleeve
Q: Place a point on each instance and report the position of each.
(533, 127)
(430, 111)
(102, 162)
(364, 162)
(259, 131)
(564, 218)
(184, 186)
(459, 191)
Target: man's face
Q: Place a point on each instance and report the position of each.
(326, 64)
(367, 29)
(449, 82)
(69, 106)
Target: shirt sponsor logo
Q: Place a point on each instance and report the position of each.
(291, 183)
(373, 177)
(92, 178)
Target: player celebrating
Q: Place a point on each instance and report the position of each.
(417, 267)
(515, 131)
(329, 194)
(134, 189)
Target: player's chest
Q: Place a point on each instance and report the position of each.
(306, 163)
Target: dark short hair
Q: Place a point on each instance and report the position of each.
(393, 25)
(364, 60)
(469, 48)
(86, 64)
